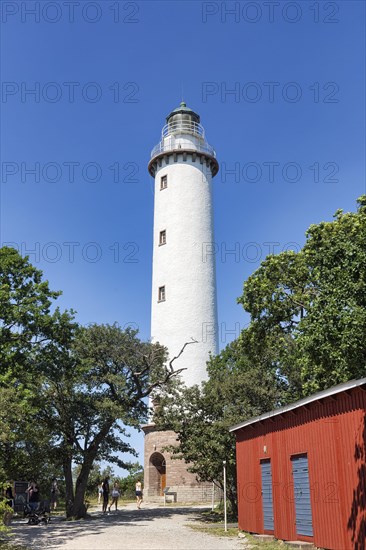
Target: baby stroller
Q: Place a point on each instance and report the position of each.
(38, 514)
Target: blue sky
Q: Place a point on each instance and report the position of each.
(280, 89)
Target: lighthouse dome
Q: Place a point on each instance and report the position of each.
(183, 120)
(182, 113)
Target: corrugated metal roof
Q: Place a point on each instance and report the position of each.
(316, 397)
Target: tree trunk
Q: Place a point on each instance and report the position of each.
(67, 468)
(232, 493)
(75, 506)
(232, 498)
(79, 508)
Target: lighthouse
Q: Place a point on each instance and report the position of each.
(183, 304)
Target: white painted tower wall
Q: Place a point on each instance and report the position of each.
(185, 265)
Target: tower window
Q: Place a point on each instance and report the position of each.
(163, 182)
(161, 294)
(162, 237)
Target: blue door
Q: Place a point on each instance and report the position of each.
(300, 473)
(267, 495)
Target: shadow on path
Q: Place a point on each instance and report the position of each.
(59, 531)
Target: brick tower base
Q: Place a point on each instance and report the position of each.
(161, 471)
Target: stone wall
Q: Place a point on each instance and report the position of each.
(178, 479)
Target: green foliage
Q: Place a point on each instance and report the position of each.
(101, 391)
(307, 333)
(118, 370)
(311, 305)
(69, 391)
(27, 325)
(29, 333)
(6, 511)
(95, 392)
(202, 416)
(216, 531)
(332, 345)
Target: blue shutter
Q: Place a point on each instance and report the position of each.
(300, 473)
(267, 499)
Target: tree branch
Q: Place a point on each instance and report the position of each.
(193, 341)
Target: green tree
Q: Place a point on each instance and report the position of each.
(312, 304)
(332, 346)
(94, 394)
(202, 416)
(29, 330)
(307, 333)
(70, 391)
(27, 324)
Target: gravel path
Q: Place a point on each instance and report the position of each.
(151, 528)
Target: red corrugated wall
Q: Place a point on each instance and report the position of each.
(332, 432)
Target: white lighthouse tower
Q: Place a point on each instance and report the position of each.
(184, 283)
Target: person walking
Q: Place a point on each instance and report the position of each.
(138, 492)
(115, 495)
(100, 492)
(105, 486)
(33, 495)
(54, 494)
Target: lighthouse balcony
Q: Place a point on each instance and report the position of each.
(183, 127)
(185, 142)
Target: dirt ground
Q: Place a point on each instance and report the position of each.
(151, 528)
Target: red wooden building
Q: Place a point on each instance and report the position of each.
(302, 470)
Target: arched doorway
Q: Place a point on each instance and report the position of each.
(157, 472)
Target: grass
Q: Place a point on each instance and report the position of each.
(211, 517)
(216, 531)
(217, 516)
(180, 504)
(4, 545)
(232, 532)
(262, 545)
